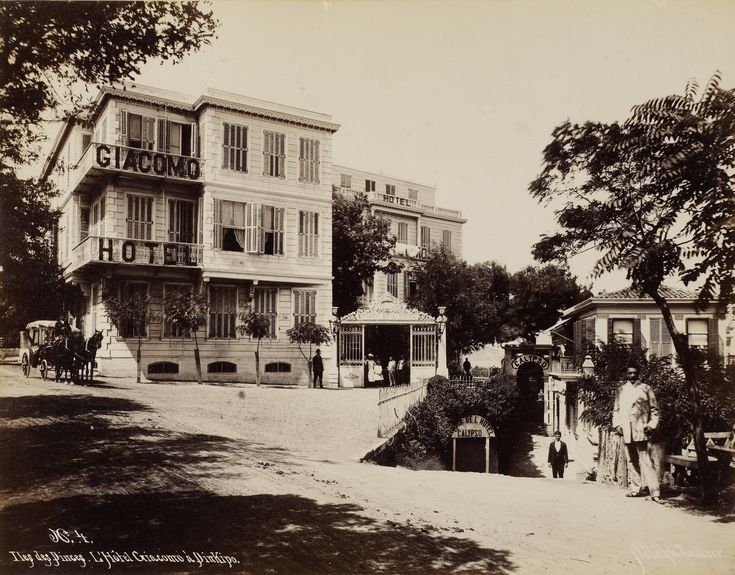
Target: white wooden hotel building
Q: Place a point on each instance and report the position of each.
(225, 193)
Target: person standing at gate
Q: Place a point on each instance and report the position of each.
(401, 371)
(391, 371)
(370, 369)
(635, 417)
(317, 368)
(467, 366)
(558, 456)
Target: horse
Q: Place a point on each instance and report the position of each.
(62, 358)
(90, 354)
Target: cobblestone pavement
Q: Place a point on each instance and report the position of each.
(159, 478)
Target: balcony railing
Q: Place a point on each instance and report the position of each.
(441, 211)
(99, 158)
(567, 365)
(98, 249)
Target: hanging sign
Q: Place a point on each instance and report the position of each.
(530, 358)
(472, 427)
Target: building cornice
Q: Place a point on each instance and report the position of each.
(263, 113)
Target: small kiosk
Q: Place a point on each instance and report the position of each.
(389, 328)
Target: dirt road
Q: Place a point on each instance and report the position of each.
(144, 478)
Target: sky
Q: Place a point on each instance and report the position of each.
(462, 95)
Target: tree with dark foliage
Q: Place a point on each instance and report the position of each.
(361, 246)
(654, 195)
(50, 51)
(539, 294)
(476, 297)
(50, 54)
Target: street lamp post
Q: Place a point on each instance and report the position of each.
(441, 327)
(334, 325)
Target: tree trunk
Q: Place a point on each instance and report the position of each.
(197, 359)
(687, 361)
(257, 368)
(612, 461)
(308, 362)
(137, 361)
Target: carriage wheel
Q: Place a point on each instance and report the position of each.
(25, 365)
(43, 368)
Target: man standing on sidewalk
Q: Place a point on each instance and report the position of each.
(635, 416)
(317, 368)
(558, 456)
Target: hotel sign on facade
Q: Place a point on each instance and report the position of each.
(116, 250)
(147, 162)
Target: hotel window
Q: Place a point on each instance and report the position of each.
(584, 335)
(138, 131)
(345, 181)
(447, 239)
(622, 331)
(409, 285)
(425, 238)
(181, 218)
(169, 329)
(391, 282)
(252, 228)
(308, 160)
(308, 234)
(235, 148)
(83, 224)
(304, 306)
(271, 229)
(660, 341)
(698, 333)
(138, 293)
(265, 305)
(222, 311)
(140, 217)
(413, 194)
(390, 189)
(274, 154)
(174, 137)
(100, 131)
(98, 217)
(369, 185)
(402, 236)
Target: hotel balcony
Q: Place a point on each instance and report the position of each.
(101, 160)
(99, 251)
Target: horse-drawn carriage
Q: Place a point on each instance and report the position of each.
(49, 346)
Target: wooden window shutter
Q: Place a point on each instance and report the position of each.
(194, 144)
(161, 135)
(637, 339)
(278, 228)
(578, 337)
(655, 337)
(666, 348)
(610, 332)
(713, 338)
(589, 331)
(124, 127)
(217, 227)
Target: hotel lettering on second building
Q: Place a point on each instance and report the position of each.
(227, 194)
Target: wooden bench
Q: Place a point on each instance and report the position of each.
(684, 466)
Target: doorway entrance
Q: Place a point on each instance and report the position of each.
(388, 341)
(530, 382)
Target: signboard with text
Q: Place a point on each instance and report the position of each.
(116, 250)
(147, 162)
